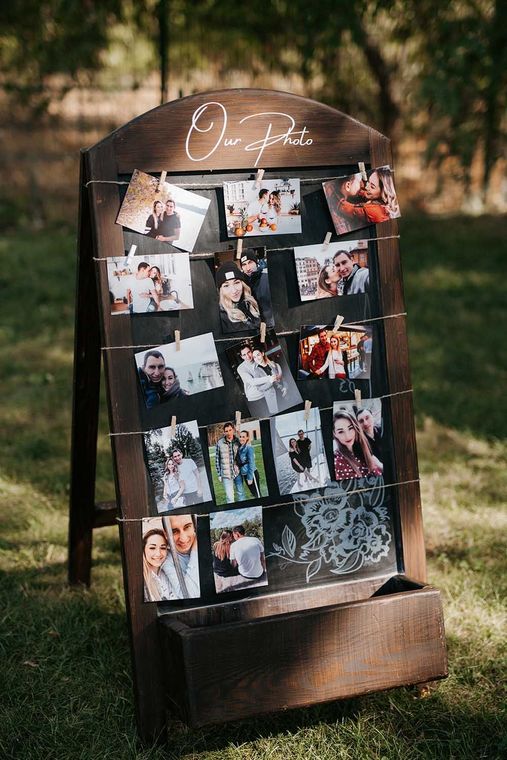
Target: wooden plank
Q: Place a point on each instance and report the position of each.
(238, 670)
(163, 139)
(85, 400)
(128, 462)
(106, 513)
(398, 373)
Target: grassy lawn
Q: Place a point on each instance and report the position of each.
(65, 675)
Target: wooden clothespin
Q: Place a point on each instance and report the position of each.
(258, 178)
(327, 240)
(133, 249)
(173, 426)
(177, 338)
(308, 406)
(263, 332)
(337, 322)
(362, 170)
(161, 181)
(357, 395)
(239, 248)
(238, 420)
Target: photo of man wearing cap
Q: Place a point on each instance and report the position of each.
(239, 310)
(257, 278)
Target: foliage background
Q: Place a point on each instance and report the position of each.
(432, 76)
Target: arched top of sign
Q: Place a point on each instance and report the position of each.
(239, 129)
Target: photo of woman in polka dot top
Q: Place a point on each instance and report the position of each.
(352, 453)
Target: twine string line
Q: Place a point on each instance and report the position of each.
(260, 419)
(209, 255)
(250, 337)
(283, 503)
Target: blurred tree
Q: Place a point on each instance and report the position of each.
(43, 38)
(461, 56)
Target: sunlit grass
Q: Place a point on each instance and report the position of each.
(65, 675)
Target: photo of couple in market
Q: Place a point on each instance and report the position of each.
(243, 290)
(237, 549)
(237, 463)
(339, 269)
(326, 353)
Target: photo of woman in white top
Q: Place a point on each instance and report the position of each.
(174, 487)
(334, 363)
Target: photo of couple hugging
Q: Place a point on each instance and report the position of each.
(176, 466)
(339, 269)
(238, 550)
(358, 439)
(164, 222)
(264, 374)
(236, 452)
(357, 200)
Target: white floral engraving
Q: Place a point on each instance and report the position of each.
(346, 528)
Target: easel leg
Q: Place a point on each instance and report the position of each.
(85, 406)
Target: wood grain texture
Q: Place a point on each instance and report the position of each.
(85, 401)
(156, 140)
(128, 460)
(238, 670)
(398, 374)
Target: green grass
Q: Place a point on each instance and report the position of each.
(65, 680)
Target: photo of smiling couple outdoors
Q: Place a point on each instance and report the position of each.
(147, 284)
(264, 375)
(244, 295)
(176, 466)
(164, 212)
(166, 373)
(358, 445)
(237, 549)
(355, 201)
(298, 448)
(343, 354)
(339, 270)
(237, 463)
(170, 558)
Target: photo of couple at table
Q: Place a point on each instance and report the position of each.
(274, 208)
(355, 201)
(167, 373)
(358, 448)
(298, 447)
(147, 284)
(331, 354)
(341, 269)
(170, 558)
(264, 375)
(237, 549)
(176, 466)
(244, 296)
(237, 463)
(166, 212)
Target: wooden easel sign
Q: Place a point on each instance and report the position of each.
(239, 273)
